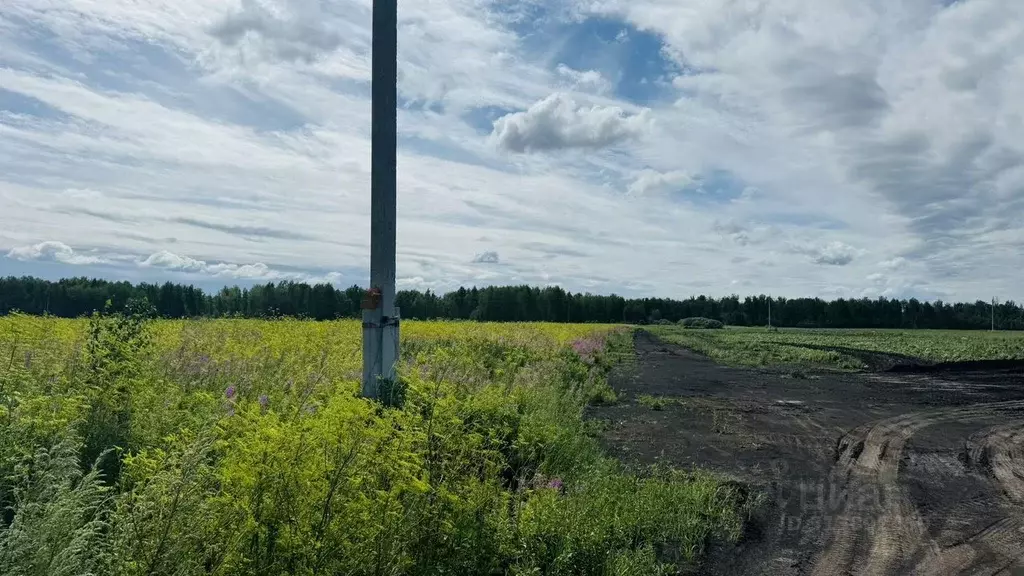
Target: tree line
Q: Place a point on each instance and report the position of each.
(73, 297)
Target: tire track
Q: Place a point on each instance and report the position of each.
(879, 529)
(1003, 448)
(1000, 545)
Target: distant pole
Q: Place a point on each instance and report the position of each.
(380, 317)
(769, 311)
(993, 314)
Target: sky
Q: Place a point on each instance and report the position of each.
(832, 148)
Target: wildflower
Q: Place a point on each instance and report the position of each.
(264, 402)
(555, 484)
(229, 392)
(588, 348)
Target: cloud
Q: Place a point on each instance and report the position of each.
(52, 251)
(651, 180)
(171, 261)
(255, 271)
(101, 214)
(584, 80)
(488, 257)
(243, 230)
(558, 122)
(891, 127)
(834, 253)
(292, 31)
(893, 263)
(742, 235)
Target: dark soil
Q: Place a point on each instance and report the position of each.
(894, 472)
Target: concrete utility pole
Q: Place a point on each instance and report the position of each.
(993, 314)
(380, 317)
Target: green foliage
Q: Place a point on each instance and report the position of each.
(653, 402)
(242, 447)
(166, 518)
(701, 323)
(113, 369)
(836, 349)
(594, 528)
(59, 518)
(603, 395)
(76, 297)
(392, 393)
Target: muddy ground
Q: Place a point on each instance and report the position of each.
(886, 472)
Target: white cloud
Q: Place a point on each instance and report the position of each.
(559, 122)
(293, 30)
(171, 261)
(584, 80)
(52, 251)
(488, 257)
(834, 253)
(651, 180)
(238, 133)
(255, 271)
(893, 263)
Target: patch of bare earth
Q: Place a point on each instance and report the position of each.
(885, 473)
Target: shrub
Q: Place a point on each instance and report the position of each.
(701, 323)
(242, 447)
(59, 517)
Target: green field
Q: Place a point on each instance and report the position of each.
(136, 447)
(786, 347)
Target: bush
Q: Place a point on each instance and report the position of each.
(242, 447)
(59, 518)
(701, 323)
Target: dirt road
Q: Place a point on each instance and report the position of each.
(883, 473)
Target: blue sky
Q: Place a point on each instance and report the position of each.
(645, 147)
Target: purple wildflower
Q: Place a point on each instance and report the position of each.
(264, 401)
(555, 484)
(588, 348)
(229, 392)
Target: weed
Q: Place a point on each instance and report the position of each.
(653, 402)
(724, 421)
(236, 447)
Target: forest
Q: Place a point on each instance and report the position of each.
(74, 297)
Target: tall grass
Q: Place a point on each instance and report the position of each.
(131, 447)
